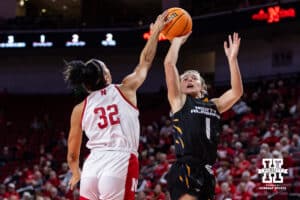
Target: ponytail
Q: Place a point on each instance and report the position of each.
(74, 73)
(88, 75)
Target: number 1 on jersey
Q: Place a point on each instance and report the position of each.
(107, 115)
(207, 127)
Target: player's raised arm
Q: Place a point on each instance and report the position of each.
(175, 96)
(134, 80)
(232, 95)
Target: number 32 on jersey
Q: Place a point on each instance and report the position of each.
(108, 115)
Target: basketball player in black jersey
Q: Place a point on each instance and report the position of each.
(196, 121)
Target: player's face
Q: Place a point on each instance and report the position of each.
(191, 84)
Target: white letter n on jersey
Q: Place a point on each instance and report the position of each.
(134, 185)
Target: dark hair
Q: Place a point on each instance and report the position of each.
(89, 74)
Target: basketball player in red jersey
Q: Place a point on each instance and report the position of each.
(109, 118)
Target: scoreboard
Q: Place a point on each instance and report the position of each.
(71, 39)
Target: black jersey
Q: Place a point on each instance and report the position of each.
(197, 127)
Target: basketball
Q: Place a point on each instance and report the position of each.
(180, 24)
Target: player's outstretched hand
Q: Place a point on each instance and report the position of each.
(231, 47)
(160, 22)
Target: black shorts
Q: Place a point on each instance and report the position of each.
(190, 179)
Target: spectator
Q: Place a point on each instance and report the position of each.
(64, 171)
(273, 131)
(167, 129)
(288, 161)
(171, 154)
(3, 193)
(162, 166)
(223, 172)
(11, 191)
(253, 147)
(54, 193)
(225, 152)
(276, 154)
(242, 193)
(240, 107)
(249, 185)
(231, 184)
(26, 196)
(53, 179)
(158, 194)
(5, 156)
(147, 170)
(244, 164)
(141, 195)
(37, 181)
(236, 170)
(225, 192)
(295, 109)
(239, 149)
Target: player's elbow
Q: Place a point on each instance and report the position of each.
(238, 92)
(241, 90)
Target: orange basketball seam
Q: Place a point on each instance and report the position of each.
(186, 24)
(166, 33)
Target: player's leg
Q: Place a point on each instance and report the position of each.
(176, 187)
(194, 185)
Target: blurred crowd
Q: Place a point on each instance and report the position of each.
(265, 123)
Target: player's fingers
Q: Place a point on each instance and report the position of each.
(164, 14)
(225, 45)
(70, 185)
(230, 40)
(158, 18)
(236, 37)
(238, 41)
